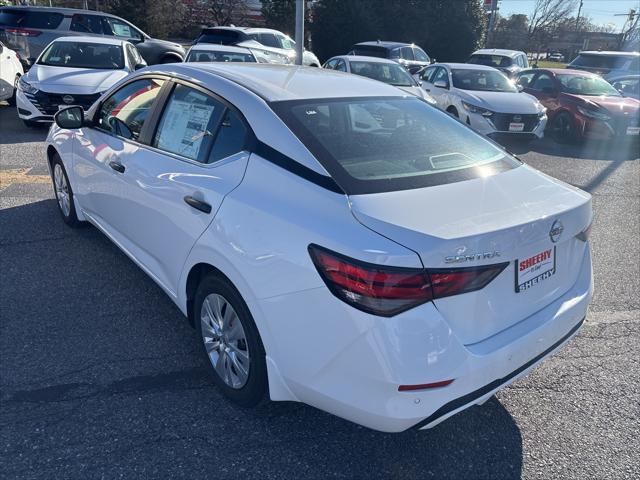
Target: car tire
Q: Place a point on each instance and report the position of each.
(563, 128)
(230, 341)
(453, 111)
(12, 100)
(64, 193)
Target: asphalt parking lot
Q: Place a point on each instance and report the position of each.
(100, 376)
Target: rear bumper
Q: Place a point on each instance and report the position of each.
(351, 364)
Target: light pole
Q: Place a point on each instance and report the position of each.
(299, 30)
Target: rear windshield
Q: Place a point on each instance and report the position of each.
(391, 73)
(371, 51)
(491, 60)
(220, 37)
(30, 19)
(372, 145)
(83, 55)
(218, 56)
(602, 61)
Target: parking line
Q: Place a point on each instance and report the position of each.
(20, 175)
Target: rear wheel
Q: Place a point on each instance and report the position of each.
(63, 192)
(563, 128)
(230, 340)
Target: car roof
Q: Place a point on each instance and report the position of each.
(87, 39)
(63, 10)
(609, 53)
(383, 44)
(364, 58)
(219, 48)
(497, 51)
(465, 66)
(275, 83)
(245, 29)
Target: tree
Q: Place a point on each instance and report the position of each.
(546, 18)
(446, 29)
(510, 32)
(226, 12)
(280, 14)
(158, 18)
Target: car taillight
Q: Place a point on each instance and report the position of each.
(387, 291)
(23, 32)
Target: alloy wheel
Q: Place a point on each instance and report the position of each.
(225, 341)
(62, 190)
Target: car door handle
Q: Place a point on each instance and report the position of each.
(197, 204)
(118, 167)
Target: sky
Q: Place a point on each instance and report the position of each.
(600, 11)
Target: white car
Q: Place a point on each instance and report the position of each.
(333, 240)
(380, 69)
(10, 73)
(249, 51)
(485, 99)
(73, 71)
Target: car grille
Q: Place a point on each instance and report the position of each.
(502, 120)
(50, 103)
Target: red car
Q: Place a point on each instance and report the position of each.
(581, 104)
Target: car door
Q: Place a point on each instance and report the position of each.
(544, 87)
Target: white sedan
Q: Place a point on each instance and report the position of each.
(380, 69)
(332, 240)
(485, 99)
(73, 71)
(10, 73)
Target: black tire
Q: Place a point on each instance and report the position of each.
(12, 100)
(453, 111)
(563, 128)
(254, 390)
(70, 217)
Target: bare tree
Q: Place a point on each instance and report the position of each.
(546, 18)
(225, 12)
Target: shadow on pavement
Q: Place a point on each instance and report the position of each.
(619, 150)
(98, 357)
(12, 130)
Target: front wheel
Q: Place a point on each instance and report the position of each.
(63, 192)
(230, 340)
(563, 128)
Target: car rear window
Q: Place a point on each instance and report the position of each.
(221, 37)
(218, 56)
(602, 61)
(373, 145)
(491, 60)
(366, 51)
(30, 19)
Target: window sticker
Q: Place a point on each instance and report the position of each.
(184, 127)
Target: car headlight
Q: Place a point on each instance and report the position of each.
(541, 109)
(475, 109)
(587, 112)
(26, 87)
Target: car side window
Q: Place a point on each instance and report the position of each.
(86, 24)
(525, 62)
(188, 123)
(441, 75)
(427, 75)
(407, 53)
(341, 66)
(118, 28)
(331, 64)
(125, 111)
(131, 58)
(421, 55)
(231, 137)
(524, 79)
(542, 82)
(286, 42)
(395, 53)
(269, 40)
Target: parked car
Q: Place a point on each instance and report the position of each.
(485, 99)
(281, 47)
(627, 85)
(219, 53)
(556, 57)
(581, 104)
(10, 73)
(509, 62)
(29, 30)
(380, 69)
(73, 71)
(410, 56)
(608, 64)
(283, 210)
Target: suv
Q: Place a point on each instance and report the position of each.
(607, 64)
(28, 30)
(509, 62)
(273, 40)
(410, 56)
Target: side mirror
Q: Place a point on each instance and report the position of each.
(434, 60)
(138, 66)
(440, 84)
(70, 118)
